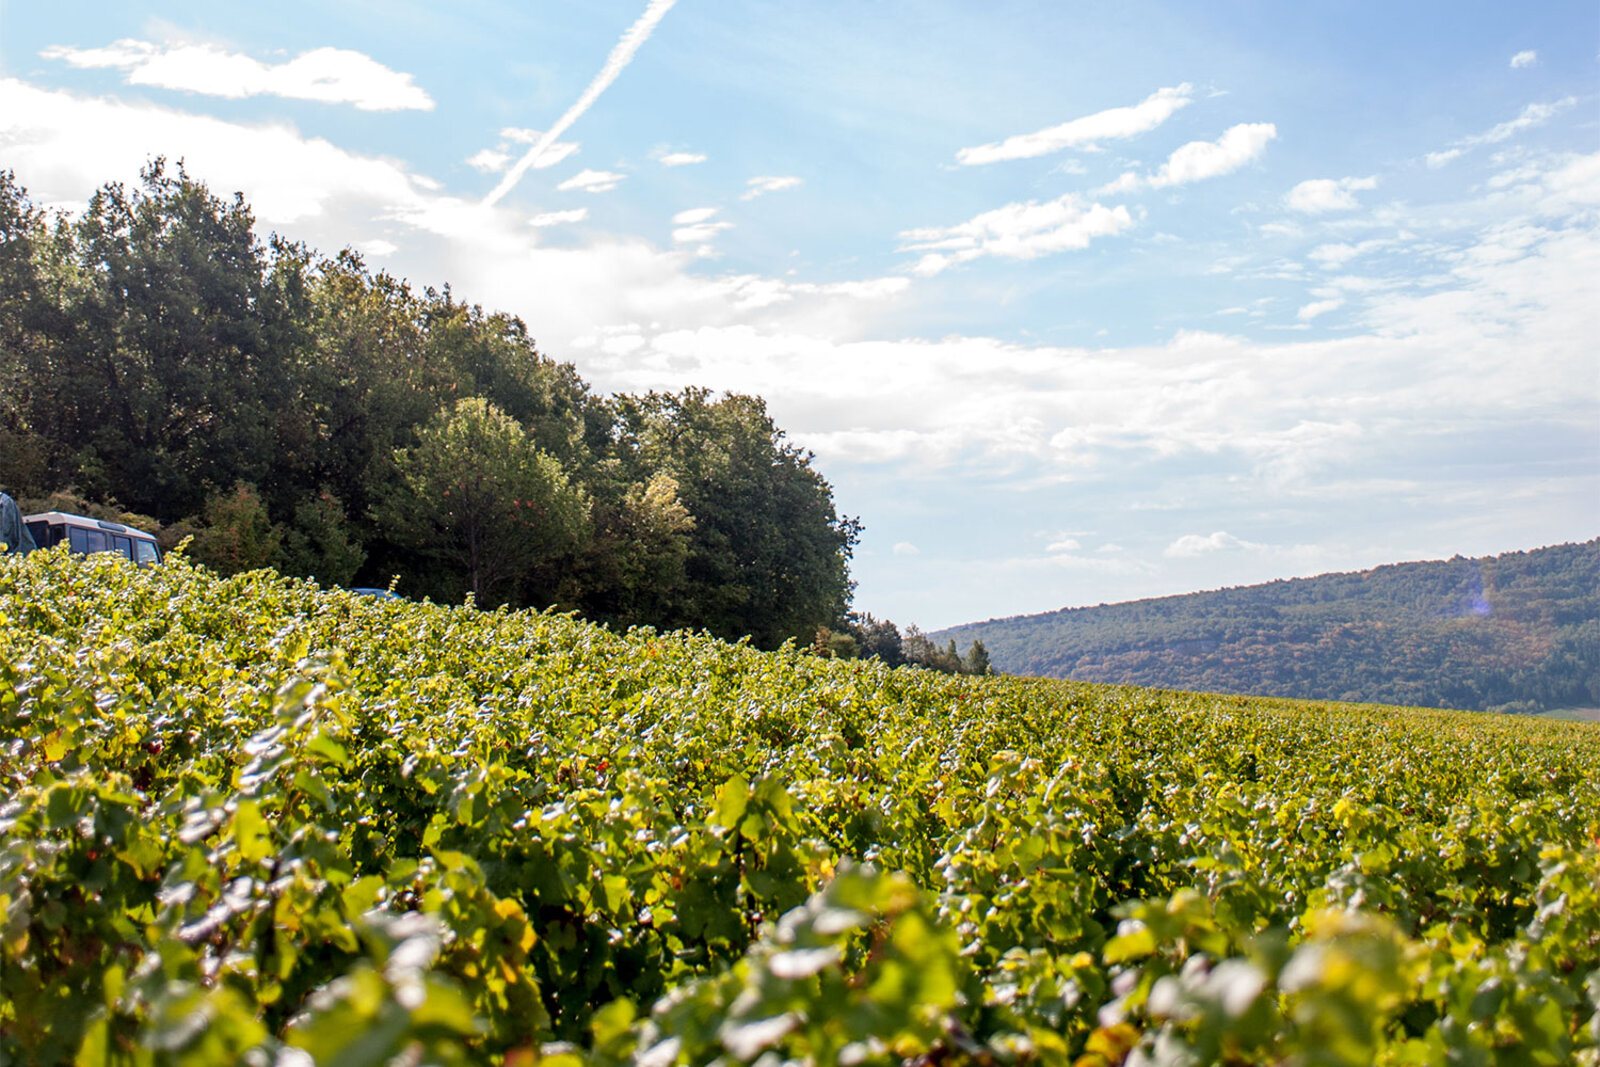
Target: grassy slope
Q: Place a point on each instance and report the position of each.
(600, 788)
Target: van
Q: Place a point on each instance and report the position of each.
(84, 535)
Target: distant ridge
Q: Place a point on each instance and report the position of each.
(1518, 632)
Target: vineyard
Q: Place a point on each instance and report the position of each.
(246, 820)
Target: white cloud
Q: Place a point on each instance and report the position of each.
(906, 548)
(1439, 159)
(1319, 307)
(1066, 544)
(697, 226)
(1113, 123)
(71, 144)
(693, 215)
(558, 218)
(1190, 545)
(699, 232)
(488, 160)
(621, 55)
(1525, 58)
(1334, 256)
(1015, 231)
(327, 75)
(592, 181)
(1321, 195)
(1199, 160)
(496, 159)
(1532, 116)
(768, 183)
(679, 159)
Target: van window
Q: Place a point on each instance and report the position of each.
(145, 552)
(123, 545)
(87, 541)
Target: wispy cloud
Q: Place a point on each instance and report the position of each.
(327, 75)
(1531, 116)
(621, 55)
(1199, 160)
(769, 183)
(592, 181)
(496, 159)
(677, 159)
(1319, 307)
(1015, 231)
(558, 218)
(1526, 58)
(1321, 195)
(697, 225)
(1112, 124)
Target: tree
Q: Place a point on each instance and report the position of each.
(478, 496)
(169, 360)
(768, 557)
(976, 661)
(237, 535)
(319, 543)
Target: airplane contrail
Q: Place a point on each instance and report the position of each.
(620, 56)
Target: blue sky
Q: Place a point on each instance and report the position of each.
(1074, 303)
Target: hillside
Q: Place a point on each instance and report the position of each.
(1515, 632)
(246, 820)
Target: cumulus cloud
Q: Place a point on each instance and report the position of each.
(677, 159)
(1321, 195)
(1112, 124)
(592, 181)
(71, 144)
(327, 75)
(1199, 160)
(558, 218)
(1190, 545)
(1526, 58)
(768, 183)
(1015, 231)
(1439, 159)
(621, 55)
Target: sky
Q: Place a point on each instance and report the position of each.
(1074, 303)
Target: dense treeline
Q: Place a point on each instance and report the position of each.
(159, 361)
(1517, 632)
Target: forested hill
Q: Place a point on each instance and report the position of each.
(1516, 632)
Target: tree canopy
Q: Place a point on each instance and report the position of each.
(161, 361)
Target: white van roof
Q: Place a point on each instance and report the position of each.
(65, 519)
